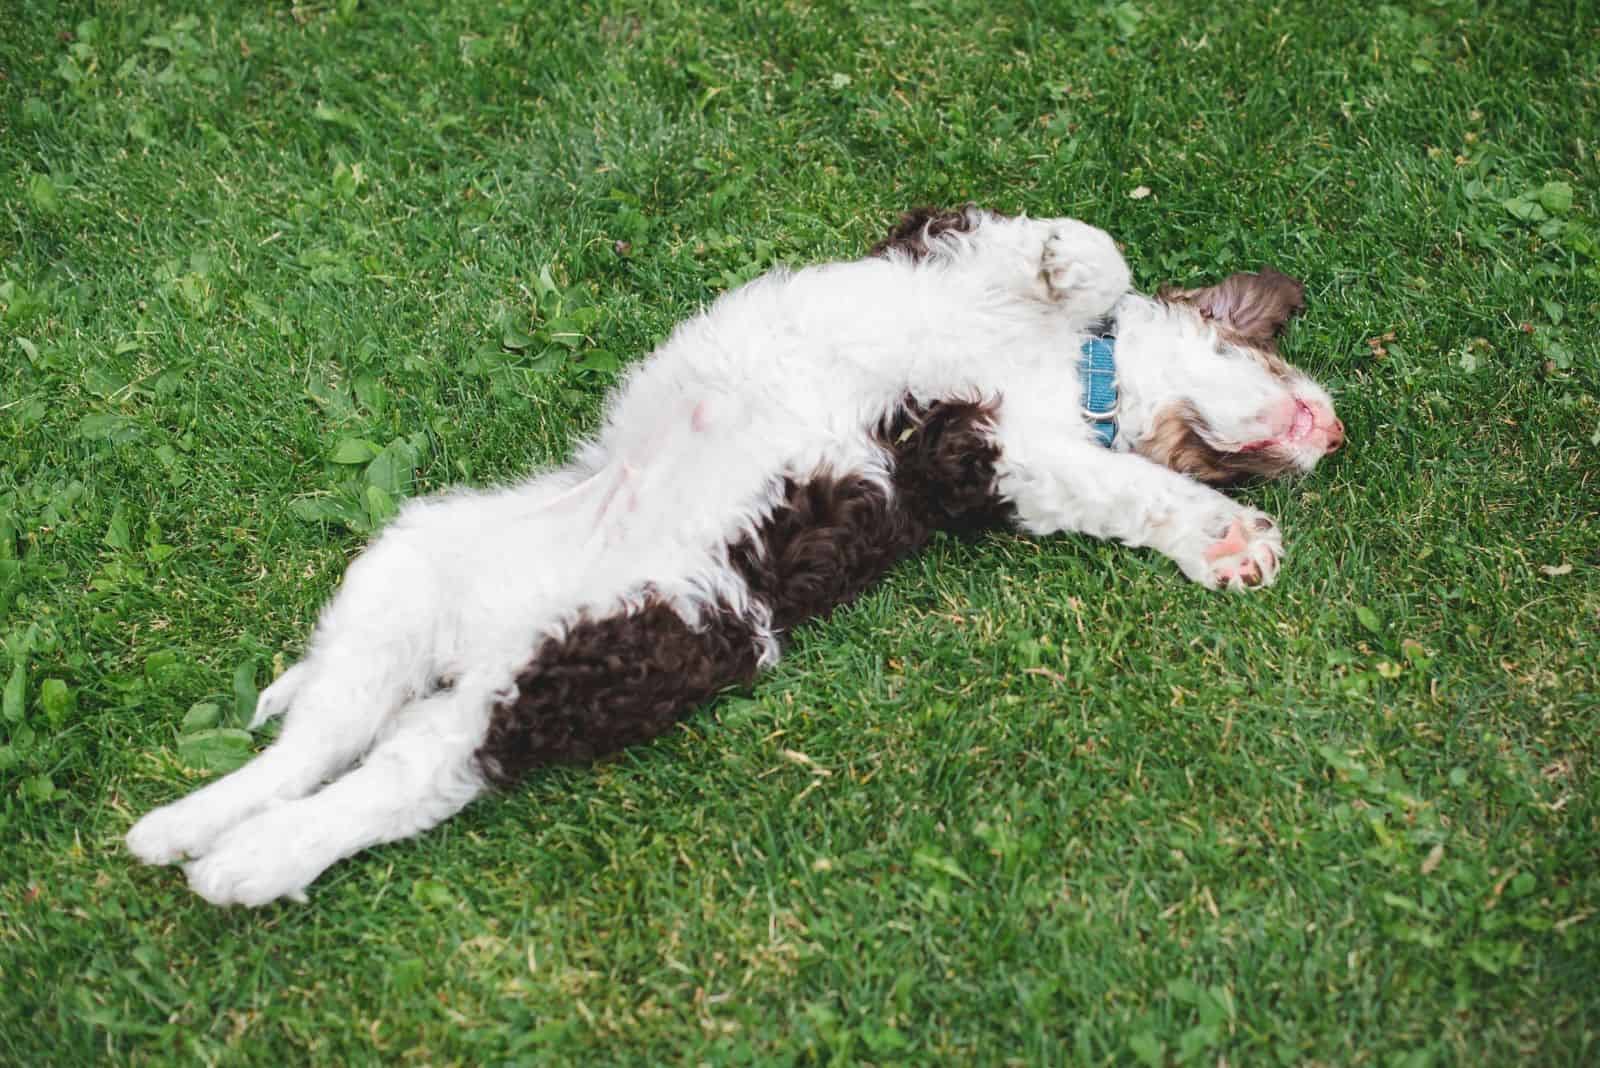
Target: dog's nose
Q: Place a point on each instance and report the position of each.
(1335, 436)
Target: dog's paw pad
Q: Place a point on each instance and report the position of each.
(1247, 555)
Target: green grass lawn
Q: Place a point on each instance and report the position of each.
(265, 269)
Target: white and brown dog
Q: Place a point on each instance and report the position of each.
(772, 458)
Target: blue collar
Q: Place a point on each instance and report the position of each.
(1097, 370)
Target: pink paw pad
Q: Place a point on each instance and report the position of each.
(1247, 554)
(1232, 543)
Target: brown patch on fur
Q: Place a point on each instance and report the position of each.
(913, 236)
(626, 678)
(944, 457)
(1249, 309)
(828, 540)
(833, 536)
(1177, 440)
(613, 682)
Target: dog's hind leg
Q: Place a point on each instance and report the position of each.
(277, 698)
(331, 725)
(372, 652)
(609, 681)
(420, 774)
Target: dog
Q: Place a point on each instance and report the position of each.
(773, 457)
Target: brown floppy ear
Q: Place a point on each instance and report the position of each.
(1254, 306)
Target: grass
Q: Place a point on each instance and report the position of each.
(266, 268)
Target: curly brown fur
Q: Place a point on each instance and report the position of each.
(914, 235)
(615, 681)
(833, 535)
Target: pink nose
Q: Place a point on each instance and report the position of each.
(1335, 435)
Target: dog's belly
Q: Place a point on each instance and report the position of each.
(611, 680)
(785, 378)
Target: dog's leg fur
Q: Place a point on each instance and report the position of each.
(1069, 265)
(419, 775)
(387, 657)
(1058, 485)
(371, 654)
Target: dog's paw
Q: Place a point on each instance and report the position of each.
(183, 829)
(275, 699)
(158, 838)
(269, 857)
(1247, 554)
(1082, 269)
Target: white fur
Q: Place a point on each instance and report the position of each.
(783, 376)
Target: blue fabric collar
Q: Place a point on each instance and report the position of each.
(1097, 370)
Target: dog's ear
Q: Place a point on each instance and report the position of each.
(1254, 306)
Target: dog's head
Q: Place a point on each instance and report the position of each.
(1237, 409)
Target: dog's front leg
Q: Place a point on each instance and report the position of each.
(1073, 268)
(1059, 484)
(1082, 269)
